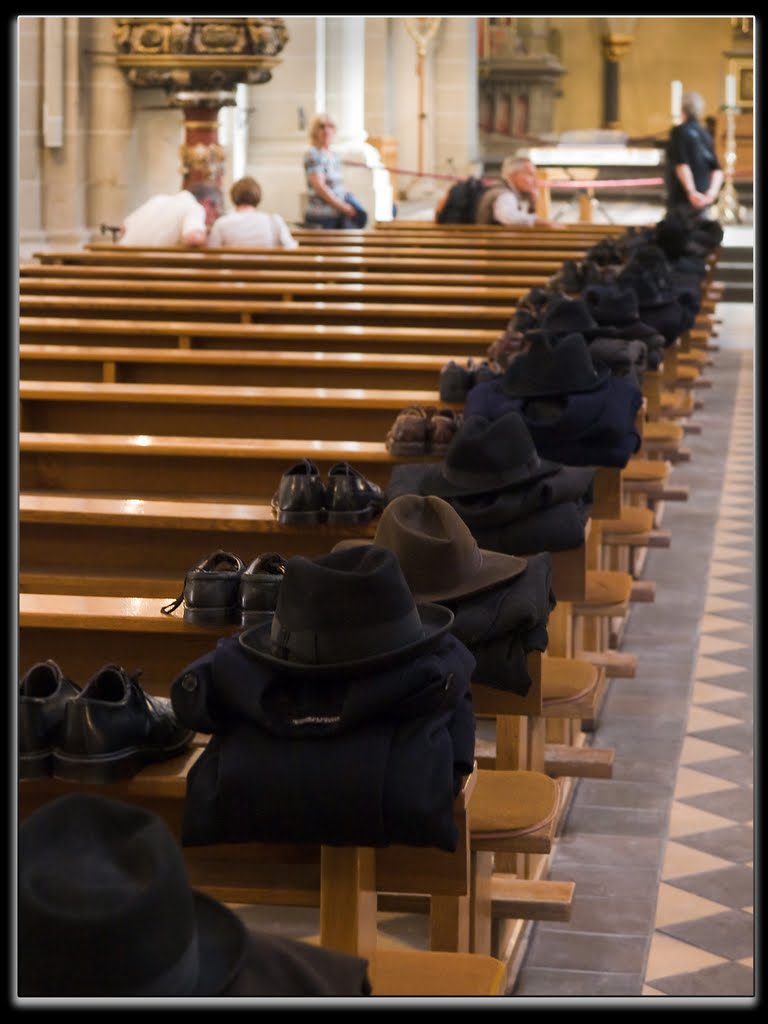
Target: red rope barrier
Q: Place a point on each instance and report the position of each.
(556, 182)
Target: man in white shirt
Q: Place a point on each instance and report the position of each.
(180, 219)
(513, 201)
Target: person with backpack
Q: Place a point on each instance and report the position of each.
(513, 200)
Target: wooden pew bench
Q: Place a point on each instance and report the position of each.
(246, 311)
(393, 264)
(276, 337)
(467, 279)
(215, 411)
(202, 287)
(227, 367)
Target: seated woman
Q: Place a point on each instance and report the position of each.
(248, 226)
(330, 205)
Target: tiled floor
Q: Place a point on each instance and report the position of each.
(662, 853)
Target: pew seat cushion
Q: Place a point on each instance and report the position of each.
(403, 973)
(507, 803)
(633, 519)
(605, 587)
(566, 679)
(646, 470)
(662, 430)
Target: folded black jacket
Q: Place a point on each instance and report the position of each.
(503, 625)
(367, 761)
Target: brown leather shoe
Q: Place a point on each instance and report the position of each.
(409, 434)
(443, 424)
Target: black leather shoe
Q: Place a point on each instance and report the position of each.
(300, 498)
(351, 498)
(454, 382)
(113, 729)
(211, 591)
(44, 691)
(259, 587)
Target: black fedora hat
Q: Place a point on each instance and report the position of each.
(565, 316)
(439, 556)
(345, 612)
(486, 456)
(615, 305)
(551, 368)
(105, 907)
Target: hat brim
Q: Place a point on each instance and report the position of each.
(222, 942)
(433, 482)
(534, 389)
(497, 568)
(435, 621)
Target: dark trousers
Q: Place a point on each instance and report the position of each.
(338, 220)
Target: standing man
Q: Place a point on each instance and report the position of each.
(693, 173)
(180, 219)
(513, 200)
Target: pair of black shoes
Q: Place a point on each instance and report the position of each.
(304, 499)
(456, 380)
(102, 733)
(220, 590)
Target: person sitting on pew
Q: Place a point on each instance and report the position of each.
(513, 200)
(247, 226)
(105, 909)
(181, 219)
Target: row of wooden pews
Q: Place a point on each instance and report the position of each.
(147, 441)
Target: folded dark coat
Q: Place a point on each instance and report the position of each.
(367, 761)
(593, 428)
(503, 625)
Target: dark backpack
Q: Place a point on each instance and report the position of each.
(460, 204)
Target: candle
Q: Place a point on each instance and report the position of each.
(677, 100)
(730, 90)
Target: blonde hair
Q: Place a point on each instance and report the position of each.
(316, 123)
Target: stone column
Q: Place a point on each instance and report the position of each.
(345, 100)
(616, 41)
(110, 130)
(32, 236)
(64, 167)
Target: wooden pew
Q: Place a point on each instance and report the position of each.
(467, 279)
(201, 286)
(246, 311)
(277, 337)
(395, 264)
(243, 367)
(215, 411)
(91, 545)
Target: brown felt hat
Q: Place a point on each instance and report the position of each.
(439, 556)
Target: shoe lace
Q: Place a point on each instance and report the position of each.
(170, 608)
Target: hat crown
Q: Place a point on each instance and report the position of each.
(97, 881)
(433, 544)
(483, 447)
(359, 594)
(612, 305)
(552, 368)
(566, 314)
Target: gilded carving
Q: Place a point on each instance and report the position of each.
(202, 161)
(616, 46)
(218, 37)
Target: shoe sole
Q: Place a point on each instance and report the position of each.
(36, 766)
(115, 767)
(210, 616)
(361, 515)
(286, 518)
